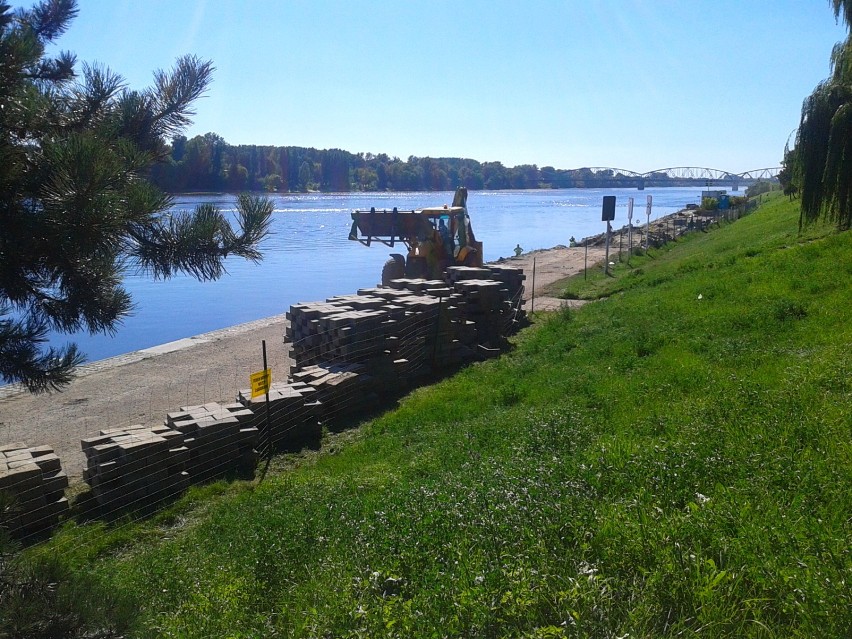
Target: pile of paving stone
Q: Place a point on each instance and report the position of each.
(220, 438)
(488, 306)
(337, 331)
(492, 299)
(444, 337)
(512, 277)
(134, 466)
(341, 388)
(411, 327)
(292, 417)
(34, 483)
(303, 328)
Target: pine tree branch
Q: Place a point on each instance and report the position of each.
(51, 18)
(176, 91)
(197, 243)
(21, 359)
(75, 206)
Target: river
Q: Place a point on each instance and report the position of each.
(308, 256)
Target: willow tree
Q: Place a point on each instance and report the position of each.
(76, 209)
(843, 9)
(824, 140)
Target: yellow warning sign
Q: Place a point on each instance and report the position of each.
(260, 382)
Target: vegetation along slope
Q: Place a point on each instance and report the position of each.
(671, 460)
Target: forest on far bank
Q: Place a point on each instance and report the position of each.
(208, 163)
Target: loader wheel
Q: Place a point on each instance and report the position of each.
(393, 269)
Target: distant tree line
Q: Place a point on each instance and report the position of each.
(207, 163)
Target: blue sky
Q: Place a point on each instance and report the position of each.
(630, 84)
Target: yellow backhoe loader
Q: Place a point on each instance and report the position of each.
(435, 238)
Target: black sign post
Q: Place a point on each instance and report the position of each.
(608, 215)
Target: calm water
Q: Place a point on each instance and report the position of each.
(309, 257)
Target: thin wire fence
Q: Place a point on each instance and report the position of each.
(142, 456)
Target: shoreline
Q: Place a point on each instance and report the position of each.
(132, 357)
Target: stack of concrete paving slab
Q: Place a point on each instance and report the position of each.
(454, 274)
(435, 288)
(447, 339)
(220, 438)
(487, 305)
(309, 345)
(293, 414)
(341, 388)
(415, 330)
(348, 329)
(135, 466)
(33, 481)
(512, 277)
(354, 336)
(411, 328)
(411, 314)
(492, 299)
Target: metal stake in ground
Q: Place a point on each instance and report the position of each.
(629, 228)
(532, 301)
(260, 383)
(607, 215)
(648, 221)
(268, 374)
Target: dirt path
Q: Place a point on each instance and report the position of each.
(141, 387)
(547, 266)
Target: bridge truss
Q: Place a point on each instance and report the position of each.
(673, 176)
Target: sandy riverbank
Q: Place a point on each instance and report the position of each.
(141, 387)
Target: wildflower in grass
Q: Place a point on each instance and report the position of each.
(587, 569)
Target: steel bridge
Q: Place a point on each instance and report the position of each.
(671, 176)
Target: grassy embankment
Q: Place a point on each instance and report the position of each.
(672, 460)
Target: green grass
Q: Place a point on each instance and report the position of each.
(672, 460)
